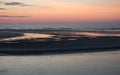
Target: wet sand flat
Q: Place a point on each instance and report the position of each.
(96, 63)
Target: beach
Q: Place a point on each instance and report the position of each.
(94, 63)
(59, 37)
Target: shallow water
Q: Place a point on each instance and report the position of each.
(28, 36)
(73, 26)
(96, 63)
(48, 36)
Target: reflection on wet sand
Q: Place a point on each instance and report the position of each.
(95, 34)
(57, 36)
(29, 36)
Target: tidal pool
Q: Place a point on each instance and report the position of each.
(94, 63)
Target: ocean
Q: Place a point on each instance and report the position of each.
(113, 27)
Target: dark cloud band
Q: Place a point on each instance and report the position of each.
(14, 3)
(8, 16)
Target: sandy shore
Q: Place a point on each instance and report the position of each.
(96, 63)
(52, 41)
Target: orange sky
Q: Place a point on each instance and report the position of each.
(61, 11)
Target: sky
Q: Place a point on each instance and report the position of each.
(59, 11)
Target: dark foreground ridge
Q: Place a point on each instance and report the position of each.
(58, 51)
(81, 45)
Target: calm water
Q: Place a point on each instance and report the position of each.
(99, 63)
(73, 26)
